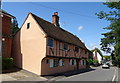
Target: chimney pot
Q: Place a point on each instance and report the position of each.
(55, 13)
(55, 19)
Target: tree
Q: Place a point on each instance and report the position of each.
(111, 38)
(14, 26)
(107, 57)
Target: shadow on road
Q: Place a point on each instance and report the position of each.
(78, 72)
(69, 73)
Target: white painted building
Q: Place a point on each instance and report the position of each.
(97, 56)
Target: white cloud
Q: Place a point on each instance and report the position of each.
(80, 28)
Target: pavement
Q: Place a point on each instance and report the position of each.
(21, 75)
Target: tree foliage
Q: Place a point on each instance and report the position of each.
(107, 57)
(14, 26)
(112, 37)
(90, 61)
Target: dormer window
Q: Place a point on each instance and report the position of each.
(50, 42)
(77, 49)
(28, 25)
(65, 46)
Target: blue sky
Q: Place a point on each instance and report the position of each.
(76, 17)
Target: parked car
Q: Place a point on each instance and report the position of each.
(106, 65)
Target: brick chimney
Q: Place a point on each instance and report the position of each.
(55, 19)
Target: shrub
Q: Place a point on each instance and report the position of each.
(7, 63)
(90, 61)
(95, 61)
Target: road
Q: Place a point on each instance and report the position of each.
(98, 74)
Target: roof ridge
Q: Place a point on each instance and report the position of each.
(41, 18)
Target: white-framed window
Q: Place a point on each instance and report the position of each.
(72, 62)
(83, 62)
(54, 62)
(51, 62)
(61, 62)
(50, 42)
(65, 46)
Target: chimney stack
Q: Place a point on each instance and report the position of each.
(55, 19)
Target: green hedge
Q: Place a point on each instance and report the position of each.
(7, 63)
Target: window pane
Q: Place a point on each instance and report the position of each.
(51, 62)
(50, 42)
(56, 63)
(75, 62)
(83, 62)
(28, 25)
(65, 46)
(85, 52)
(61, 62)
(72, 62)
(47, 61)
(76, 49)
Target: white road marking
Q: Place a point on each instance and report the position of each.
(113, 79)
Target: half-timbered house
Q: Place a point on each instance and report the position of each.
(45, 48)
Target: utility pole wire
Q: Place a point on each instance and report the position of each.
(69, 12)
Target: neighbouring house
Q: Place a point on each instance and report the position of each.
(6, 39)
(45, 48)
(97, 55)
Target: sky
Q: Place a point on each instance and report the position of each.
(76, 17)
